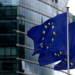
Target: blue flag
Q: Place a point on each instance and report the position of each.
(72, 39)
(50, 36)
(63, 64)
(48, 58)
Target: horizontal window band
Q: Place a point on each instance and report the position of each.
(37, 11)
(17, 58)
(22, 73)
(51, 5)
(33, 10)
(55, 7)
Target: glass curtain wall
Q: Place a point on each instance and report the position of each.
(8, 38)
(38, 19)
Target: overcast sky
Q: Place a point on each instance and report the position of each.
(71, 4)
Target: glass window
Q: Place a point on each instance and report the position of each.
(8, 17)
(2, 27)
(1, 51)
(13, 50)
(2, 10)
(8, 11)
(56, 1)
(14, 11)
(14, 3)
(8, 2)
(52, 0)
(21, 39)
(2, 1)
(7, 50)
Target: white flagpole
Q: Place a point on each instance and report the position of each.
(68, 41)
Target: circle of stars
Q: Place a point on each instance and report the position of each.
(44, 32)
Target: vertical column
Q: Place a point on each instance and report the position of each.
(68, 41)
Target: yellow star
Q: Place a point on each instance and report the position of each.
(65, 59)
(74, 61)
(41, 46)
(45, 26)
(52, 39)
(52, 27)
(49, 23)
(55, 54)
(43, 32)
(58, 55)
(52, 22)
(60, 52)
(43, 38)
(41, 43)
(71, 63)
(54, 33)
(47, 47)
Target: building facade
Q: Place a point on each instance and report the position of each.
(15, 43)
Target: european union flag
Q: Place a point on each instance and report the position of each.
(50, 57)
(72, 39)
(50, 36)
(63, 64)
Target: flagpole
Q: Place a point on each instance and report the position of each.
(68, 41)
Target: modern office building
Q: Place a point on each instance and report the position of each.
(13, 39)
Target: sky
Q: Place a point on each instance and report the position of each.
(71, 5)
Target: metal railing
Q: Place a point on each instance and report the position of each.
(55, 7)
(24, 46)
(51, 5)
(33, 10)
(40, 12)
(17, 72)
(19, 45)
(18, 18)
(38, 64)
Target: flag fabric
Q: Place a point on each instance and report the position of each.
(63, 64)
(50, 36)
(50, 41)
(50, 57)
(72, 39)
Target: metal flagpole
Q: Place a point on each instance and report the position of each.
(68, 41)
